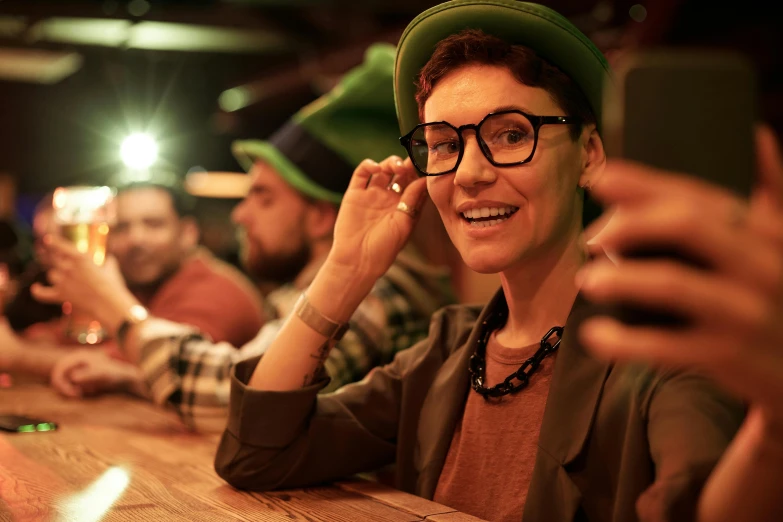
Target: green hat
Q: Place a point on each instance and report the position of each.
(541, 29)
(317, 150)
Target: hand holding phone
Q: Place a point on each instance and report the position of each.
(691, 112)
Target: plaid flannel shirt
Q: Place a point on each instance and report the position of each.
(184, 369)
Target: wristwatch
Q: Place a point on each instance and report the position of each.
(135, 315)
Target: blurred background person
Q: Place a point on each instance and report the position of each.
(155, 243)
(156, 256)
(10, 261)
(29, 329)
(296, 180)
(24, 312)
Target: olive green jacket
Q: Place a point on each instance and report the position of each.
(618, 442)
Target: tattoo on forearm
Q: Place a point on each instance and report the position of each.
(309, 378)
(320, 356)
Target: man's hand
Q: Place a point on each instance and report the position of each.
(97, 290)
(90, 372)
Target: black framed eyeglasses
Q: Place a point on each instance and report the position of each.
(506, 138)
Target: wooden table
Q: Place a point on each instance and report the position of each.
(118, 458)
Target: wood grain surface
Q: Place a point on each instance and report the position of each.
(117, 458)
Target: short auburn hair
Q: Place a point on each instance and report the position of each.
(473, 46)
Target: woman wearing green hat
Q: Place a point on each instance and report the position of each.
(493, 415)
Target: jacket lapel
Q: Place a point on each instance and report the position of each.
(577, 383)
(444, 406)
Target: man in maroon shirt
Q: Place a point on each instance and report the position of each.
(155, 246)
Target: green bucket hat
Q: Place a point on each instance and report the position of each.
(317, 150)
(541, 29)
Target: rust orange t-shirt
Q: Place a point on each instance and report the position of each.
(490, 461)
(211, 295)
(204, 292)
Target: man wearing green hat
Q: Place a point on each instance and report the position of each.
(297, 179)
(500, 412)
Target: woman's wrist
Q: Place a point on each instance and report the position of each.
(337, 291)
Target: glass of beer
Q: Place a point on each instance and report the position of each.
(84, 216)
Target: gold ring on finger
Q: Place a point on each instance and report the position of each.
(405, 209)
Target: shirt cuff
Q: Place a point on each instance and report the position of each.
(268, 419)
(160, 340)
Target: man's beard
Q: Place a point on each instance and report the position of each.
(282, 268)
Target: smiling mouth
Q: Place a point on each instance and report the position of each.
(488, 216)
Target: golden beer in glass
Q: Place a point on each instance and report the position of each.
(84, 216)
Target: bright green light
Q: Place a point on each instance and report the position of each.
(235, 99)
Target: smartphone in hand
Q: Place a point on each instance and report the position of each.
(688, 111)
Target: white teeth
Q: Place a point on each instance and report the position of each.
(485, 212)
(488, 223)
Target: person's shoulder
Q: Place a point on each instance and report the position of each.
(642, 385)
(207, 270)
(451, 326)
(459, 314)
(210, 286)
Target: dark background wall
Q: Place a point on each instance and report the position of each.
(168, 82)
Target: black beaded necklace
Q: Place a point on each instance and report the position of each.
(477, 365)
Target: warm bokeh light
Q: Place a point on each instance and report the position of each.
(139, 151)
(92, 504)
(235, 99)
(60, 197)
(232, 185)
(83, 204)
